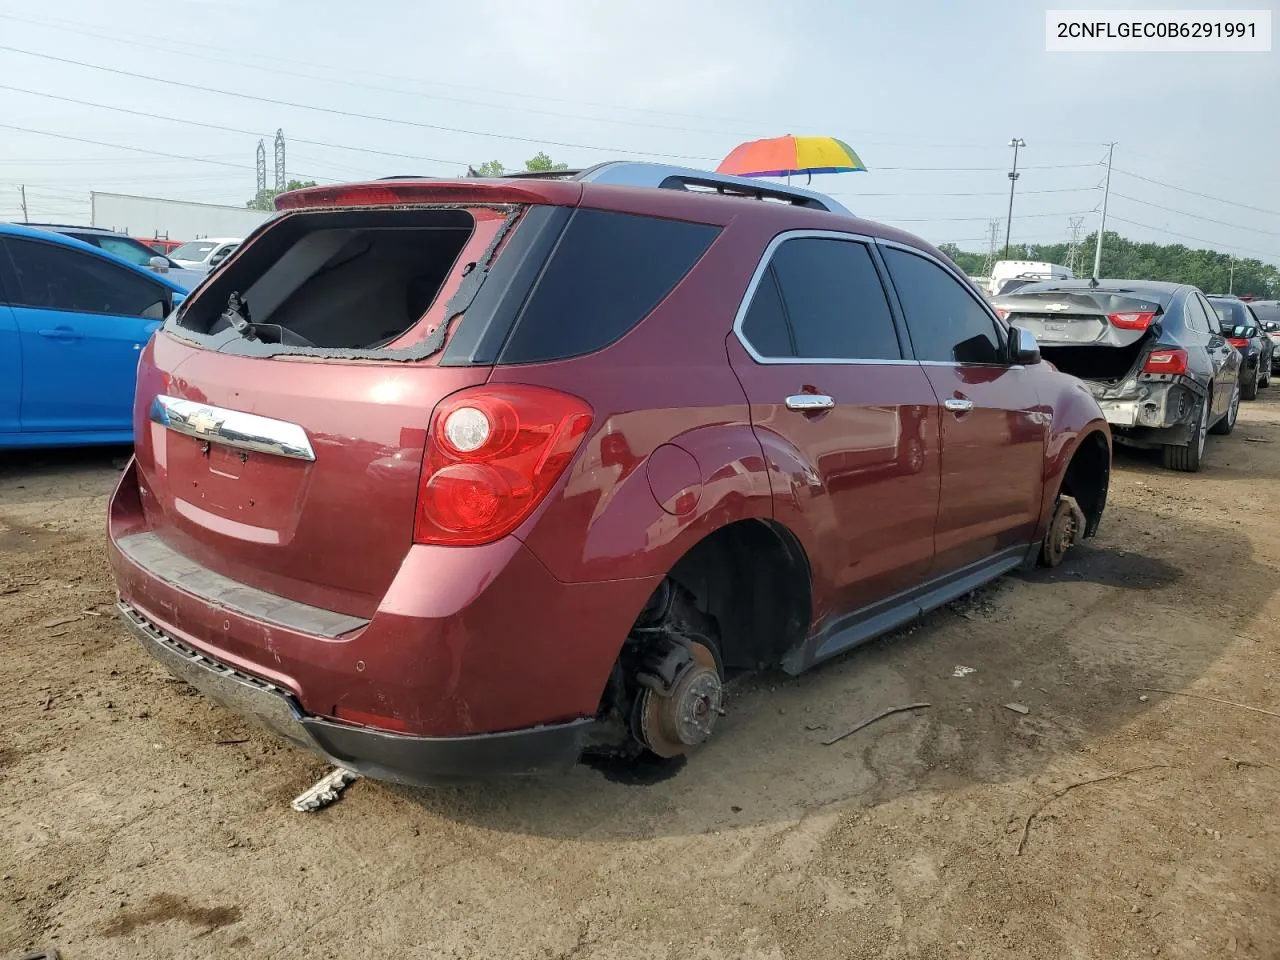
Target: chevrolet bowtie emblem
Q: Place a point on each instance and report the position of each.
(204, 422)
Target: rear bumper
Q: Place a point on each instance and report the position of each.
(476, 662)
(1156, 413)
(423, 761)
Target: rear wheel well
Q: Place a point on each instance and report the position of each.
(752, 577)
(1087, 478)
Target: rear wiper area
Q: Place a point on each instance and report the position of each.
(237, 316)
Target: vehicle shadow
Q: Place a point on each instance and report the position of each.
(31, 475)
(1073, 646)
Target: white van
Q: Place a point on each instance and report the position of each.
(1008, 275)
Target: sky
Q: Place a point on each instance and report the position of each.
(929, 93)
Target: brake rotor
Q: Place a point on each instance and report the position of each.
(673, 722)
(1063, 532)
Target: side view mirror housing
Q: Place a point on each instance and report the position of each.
(1023, 349)
(159, 264)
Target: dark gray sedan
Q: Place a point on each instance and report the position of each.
(1151, 353)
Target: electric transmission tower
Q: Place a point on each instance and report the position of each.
(280, 179)
(993, 238)
(262, 168)
(1073, 251)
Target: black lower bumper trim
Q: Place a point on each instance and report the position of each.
(401, 758)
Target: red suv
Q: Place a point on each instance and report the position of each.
(449, 479)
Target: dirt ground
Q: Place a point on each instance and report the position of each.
(140, 820)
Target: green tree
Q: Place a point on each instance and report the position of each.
(1122, 258)
(539, 163)
(265, 199)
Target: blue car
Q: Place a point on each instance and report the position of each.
(73, 321)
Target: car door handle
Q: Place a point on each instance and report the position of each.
(810, 401)
(956, 405)
(61, 333)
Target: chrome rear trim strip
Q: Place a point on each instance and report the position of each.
(232, 428)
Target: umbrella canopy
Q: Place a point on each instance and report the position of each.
(785, 156)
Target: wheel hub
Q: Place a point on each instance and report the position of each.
(673, 718)
(1064, 530)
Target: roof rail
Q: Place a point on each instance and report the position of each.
(661, 176)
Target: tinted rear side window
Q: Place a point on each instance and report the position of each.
(607, 273)
(835, 301)
(765, 325)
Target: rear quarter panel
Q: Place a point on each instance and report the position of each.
(667, 381)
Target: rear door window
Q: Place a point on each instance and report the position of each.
(946, 321)
(765, 325)
(821, 299)
(56, 278)
(608, 272)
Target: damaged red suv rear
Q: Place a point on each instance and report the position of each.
(451, 479)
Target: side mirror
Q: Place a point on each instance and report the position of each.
(1023, 348)
(159, 264)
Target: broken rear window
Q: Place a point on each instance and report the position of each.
(334, 281)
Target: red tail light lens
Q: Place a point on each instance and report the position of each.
(1131, 321)
(1238, 342)
(1002, 313)
(492, 454)
(1166, 361)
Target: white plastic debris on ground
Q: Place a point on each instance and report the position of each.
(325, 791)
(963, 671)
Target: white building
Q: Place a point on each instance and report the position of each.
(171, 219)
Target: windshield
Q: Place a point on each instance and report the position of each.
(193, 250)
(126, 249)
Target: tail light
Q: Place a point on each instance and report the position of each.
(1002, 313)
(492, 454)
(1240, 342)
(1131, 321)
(1166, 361)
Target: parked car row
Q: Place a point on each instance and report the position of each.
(607, 437)
(1166, 364)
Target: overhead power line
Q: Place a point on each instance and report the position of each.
(157, 153)
(1021, 216)
(1196, 216)
(345, 79)
(1195, 193)
(350, 114)
(151, 115)
(1272, 255)
(221, 126)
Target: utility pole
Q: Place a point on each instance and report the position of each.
(1102, 225)
(1231, 285)
(261, 168)
(22, 190)
(1073, 252)
(1016, 142)
(280, 178)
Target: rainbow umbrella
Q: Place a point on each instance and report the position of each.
(784, 156)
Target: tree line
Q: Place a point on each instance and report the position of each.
(1122, 258)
